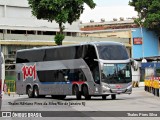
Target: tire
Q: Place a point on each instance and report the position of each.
(86, 93)
(30, 92)
(104, 97)
(36, 92)
(113, 96)
(77, 93)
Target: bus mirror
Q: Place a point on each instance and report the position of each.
(135, 65)
(101, 64)
(95, 60)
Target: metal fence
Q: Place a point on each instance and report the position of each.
(11, 85)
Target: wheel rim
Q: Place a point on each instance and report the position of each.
(35, 93)
(29, 92)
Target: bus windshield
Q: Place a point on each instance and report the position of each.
(112, 52)
(116, 73)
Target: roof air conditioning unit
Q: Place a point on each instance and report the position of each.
(91, 21)
(102, 20)
(114, 19)
(121, 18)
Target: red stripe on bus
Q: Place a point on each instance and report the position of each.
(80, 82)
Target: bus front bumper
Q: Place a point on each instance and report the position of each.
(107, 90)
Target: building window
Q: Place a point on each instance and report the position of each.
(16, 31)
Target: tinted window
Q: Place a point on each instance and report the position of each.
(30, 56)
(51, 54)
(60, 53)
(61, 75)
(112, 52)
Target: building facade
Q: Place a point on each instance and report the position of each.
(139, 41)
(19, 29)
(145, 43)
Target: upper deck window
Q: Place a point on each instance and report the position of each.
(112, 52)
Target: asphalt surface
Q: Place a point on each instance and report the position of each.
(139, 100)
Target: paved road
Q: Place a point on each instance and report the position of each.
(139, 100)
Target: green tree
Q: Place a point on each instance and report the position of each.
(62, 11)
(149, 11)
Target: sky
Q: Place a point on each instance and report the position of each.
(108, 9)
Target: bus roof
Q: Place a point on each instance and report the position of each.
(86, 43)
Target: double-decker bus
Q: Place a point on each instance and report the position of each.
(89, 69)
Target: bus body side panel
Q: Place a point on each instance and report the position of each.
(26, 73)
(22, 81)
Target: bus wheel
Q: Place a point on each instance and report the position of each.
(113, 96)
(30, 92)
(104, 97)
(86, 93)
(77, 93)
(36, 92)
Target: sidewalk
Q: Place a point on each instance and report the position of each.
(141, 84)
(11, 96)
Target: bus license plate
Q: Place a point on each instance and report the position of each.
(119, 91)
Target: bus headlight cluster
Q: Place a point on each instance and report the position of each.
(129, 87)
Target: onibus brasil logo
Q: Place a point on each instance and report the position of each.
(29, 72)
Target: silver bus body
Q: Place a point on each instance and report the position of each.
(85, 75)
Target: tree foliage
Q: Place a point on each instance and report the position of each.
(149, 11)
(61, 11)
(58, 39)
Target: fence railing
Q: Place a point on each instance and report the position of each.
(10, 86)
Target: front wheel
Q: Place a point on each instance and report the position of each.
(113, 96)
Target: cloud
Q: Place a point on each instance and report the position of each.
(107, 12)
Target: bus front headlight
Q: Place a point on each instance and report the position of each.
(105, 88)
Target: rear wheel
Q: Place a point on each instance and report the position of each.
(113, 96)
(30, 92)
(77, 93)
(86, 93)
(36, 92)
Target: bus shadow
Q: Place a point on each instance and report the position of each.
(83, 99)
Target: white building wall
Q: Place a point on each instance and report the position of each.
(17, 13)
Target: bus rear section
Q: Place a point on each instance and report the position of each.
(91, 69)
